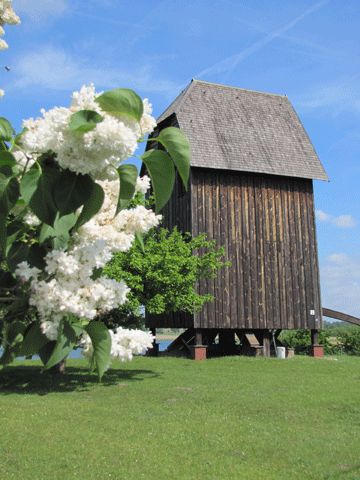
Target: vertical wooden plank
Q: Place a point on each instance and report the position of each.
(238, 251)
(306, 257)
(232, 247)
(225, 241)
(314, 293)
(267, 253)
(274, 274)
(253, 254)
(217, 237)
(288, 263)
(210, 284)
(259, 192)
(300, 284)
(315, 261)
(278, 185)
(246, 251)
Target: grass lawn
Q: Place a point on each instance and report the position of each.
(171, 418)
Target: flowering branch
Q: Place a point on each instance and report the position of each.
(65, 192)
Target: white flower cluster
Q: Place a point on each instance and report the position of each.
(142, 184)
(69, 284)
(124, 343)
(7, 16)
(96, 152)
(69, 287)
(118, 231)
(25, 272)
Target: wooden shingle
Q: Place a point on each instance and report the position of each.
(235, 129)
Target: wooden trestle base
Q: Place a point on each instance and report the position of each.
(199, 344)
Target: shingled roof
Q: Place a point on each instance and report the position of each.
(235, 129)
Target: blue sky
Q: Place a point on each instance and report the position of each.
(308, 50)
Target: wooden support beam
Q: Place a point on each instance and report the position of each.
(198, 350)
(314, 337)
(198, 337)
(327, 312)
(266, 339)
(185, 337)
(317, 350)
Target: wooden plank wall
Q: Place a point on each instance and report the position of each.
(266, 224)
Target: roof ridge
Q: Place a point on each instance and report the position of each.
(238, 88)
(182, 94)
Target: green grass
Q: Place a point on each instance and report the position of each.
(171, 418)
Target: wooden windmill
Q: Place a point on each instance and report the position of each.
(250, 189)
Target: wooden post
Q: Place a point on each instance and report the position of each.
(266, 343)
(154, 351)
(314, 337)
(198, 350)
(316, 349)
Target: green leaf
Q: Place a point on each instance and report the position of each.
(92, 206)
(64, 345)
(18, 253)
(13, 330)
(71, 191)
(36, 256)
(9, 192)
(121, 101)
(13, 338)
(178, 148)
(17, 139)
(46, 351)
(6, 279)
(3, 235)
(84, 121)
(42, 201)
(101, 341)
(14, 229)
(34, 340)
(140, 241)
(127, 175)
(6, 130)
(17, 308)
(61, 228)
(29, 182)
(162, 172)
(7, 159)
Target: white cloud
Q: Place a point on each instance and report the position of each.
(322, 216)
(338, 96)
(342, 221)
(55, 69)
(41, 9)
(340, 283)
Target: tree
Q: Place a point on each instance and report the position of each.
(162, 275)
(64, 198)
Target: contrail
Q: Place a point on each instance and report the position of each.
(229, 63)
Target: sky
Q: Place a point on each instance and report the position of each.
(306, 49)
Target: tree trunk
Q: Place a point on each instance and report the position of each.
(59, 368)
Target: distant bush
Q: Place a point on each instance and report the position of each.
(335, 340)
(350, 340)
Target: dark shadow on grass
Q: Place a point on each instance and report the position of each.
(34, 380)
